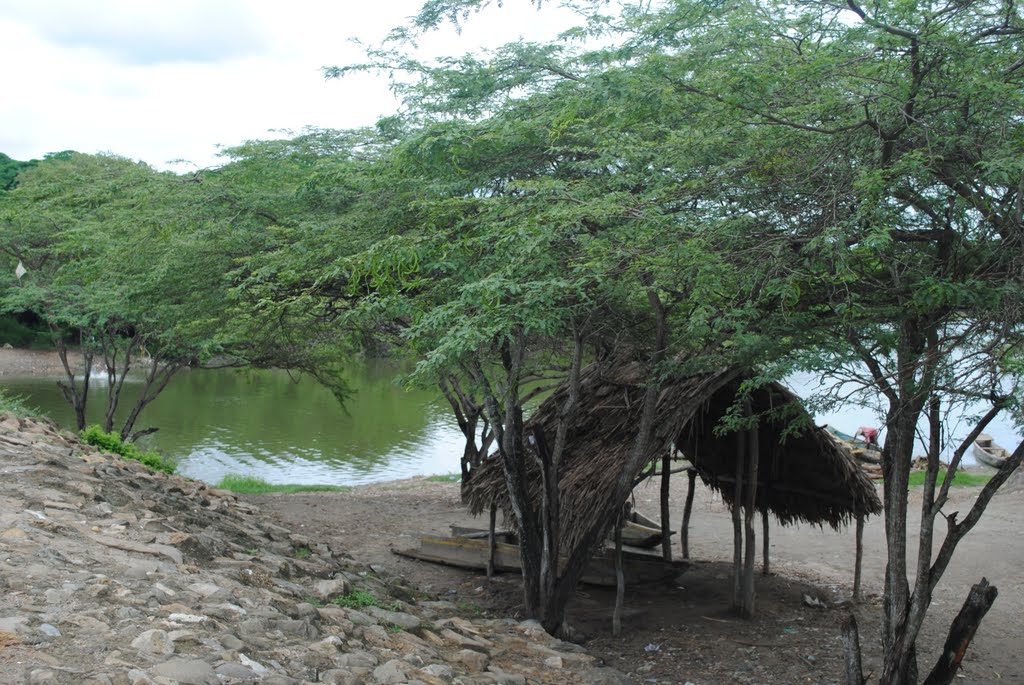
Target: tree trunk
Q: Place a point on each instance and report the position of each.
(666, 476)
(851, 651)
(691, 474)
(492, 545)
(961, 632)
(765, 569)
(737, 526)
(620, 580)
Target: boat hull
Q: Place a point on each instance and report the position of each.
(472, 553)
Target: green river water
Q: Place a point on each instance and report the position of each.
(264, 424)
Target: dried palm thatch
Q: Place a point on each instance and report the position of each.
(802, 476)
(810, 479)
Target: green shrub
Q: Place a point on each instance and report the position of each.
(360, 599)
(14, 404)
(111, 442)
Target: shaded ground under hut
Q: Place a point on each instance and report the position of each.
(803, 475)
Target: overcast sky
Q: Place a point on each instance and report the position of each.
(160, 80)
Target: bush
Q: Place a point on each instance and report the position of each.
(14, 404)
(111, 442)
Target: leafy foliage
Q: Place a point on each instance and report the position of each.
(112, 443)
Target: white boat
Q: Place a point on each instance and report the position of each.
(989, 453)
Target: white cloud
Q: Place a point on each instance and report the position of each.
(165, 80)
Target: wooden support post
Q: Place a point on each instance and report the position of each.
(620, 580)
(737, 525)
(691, 473)
(492, 545)
(764, 542)
(858, 592)
(666, 537)
(751, 547)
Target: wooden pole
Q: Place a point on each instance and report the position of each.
(666, 530)
(620, 580)
(858, 593)
(492, 545)
(753, 449)
(691, 473)
(764, 542)
(737, 525)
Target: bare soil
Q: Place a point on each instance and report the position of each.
(685, 632)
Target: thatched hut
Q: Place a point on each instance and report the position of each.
(805, 476)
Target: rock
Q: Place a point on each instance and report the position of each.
(473, 660)
(257, 667)
(391, 672)
(398, 618)
(327, 590)
(230, 669)
(154, 641)
(14, 624)
(356, 659)
(43, 676)
(553, 662)
(187, 672)
(229, 641)
(188, 618)
(439, 670)
(339, 676)
(49, 630)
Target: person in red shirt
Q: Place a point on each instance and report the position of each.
(870, 435)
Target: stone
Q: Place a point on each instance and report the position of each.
(327, 590)
(49, 630)
(439, 670)
(187, 672)
(14, 624)
(356, 659)
(553, 662)
(154, 641)
(390, 673)
(257, 667)
(43, 676)
(229, 641)
(230, 669)
(188, 618)
(473, 660)
(398, 618)
(339, 676)
(137, 677)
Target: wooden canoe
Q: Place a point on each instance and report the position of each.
(989, 453)
(472, 552)
(634, 533)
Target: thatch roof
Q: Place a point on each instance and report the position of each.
(810, 478)
(802, 476)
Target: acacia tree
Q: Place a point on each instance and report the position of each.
(879, 148)
(103, 240)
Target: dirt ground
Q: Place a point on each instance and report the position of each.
(684, 633)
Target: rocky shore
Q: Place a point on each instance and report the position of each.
(111, 574)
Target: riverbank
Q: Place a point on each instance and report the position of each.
(111, 574)
(21, 363)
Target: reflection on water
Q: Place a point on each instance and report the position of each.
(262, 423)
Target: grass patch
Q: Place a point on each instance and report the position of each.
(960, 480)
(248, 485)
(302, 553)
(15, 404)
(446, 478)
(360, 599)
(112, 443)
